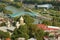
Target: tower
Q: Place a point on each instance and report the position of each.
(21, 21)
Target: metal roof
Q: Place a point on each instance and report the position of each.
(23, 13)
(45, 5)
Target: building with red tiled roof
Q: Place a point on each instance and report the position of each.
(47, 28)
(42, 26)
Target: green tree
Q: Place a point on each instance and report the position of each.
(6, 1)
(2, 7)
(28, 19)
(7, 11)
(4, 34)
(16, 4)
(39, 34)
(35, 32)
(22, 31)
(28, 30)
(46, 22)
(46, 34)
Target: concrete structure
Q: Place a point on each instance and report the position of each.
(21, 39)
(8, 24)
(32, 39)
(45, 6)
(9, 27)
(17, 24)
(54, 27)
(4, 28)
(22, 21)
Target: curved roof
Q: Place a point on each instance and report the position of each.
(23, 13)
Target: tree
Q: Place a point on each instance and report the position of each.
(32, 29)
(7, 11)
(6, 1)
(22, 31)
(28, 30)
(35, 32)
(2, 7)
(46, 22)
(28, 19)
(39, 34)
(46, 34)
(4, 34)
(16, 4)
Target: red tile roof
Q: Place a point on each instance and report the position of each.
(44, 27)
(8, 39)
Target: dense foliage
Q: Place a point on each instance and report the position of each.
(16, 4)
(2, 6)
(28, 30)
(4, 34)
(7, 11)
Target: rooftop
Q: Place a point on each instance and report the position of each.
(44, 27)
(4, 28)
(45, 5)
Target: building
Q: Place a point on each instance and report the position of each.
(48, 28)
(10, 29)
(53, 31)
(47, 6)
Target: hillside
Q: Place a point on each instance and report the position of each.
(52, 14)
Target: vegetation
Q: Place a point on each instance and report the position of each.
(2, 6)
(47, 22)
(28, 19)
(22, 31)
(16, 4)
(7, 11)
(6, 1)
(30, 30)
(4, 34)
(49, 13)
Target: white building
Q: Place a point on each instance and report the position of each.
(45, 6)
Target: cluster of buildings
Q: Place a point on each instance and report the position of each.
(9, 28)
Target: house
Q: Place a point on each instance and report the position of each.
(48, 28)
(54, 31)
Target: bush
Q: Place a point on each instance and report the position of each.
(3, 24)
(4, 34)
